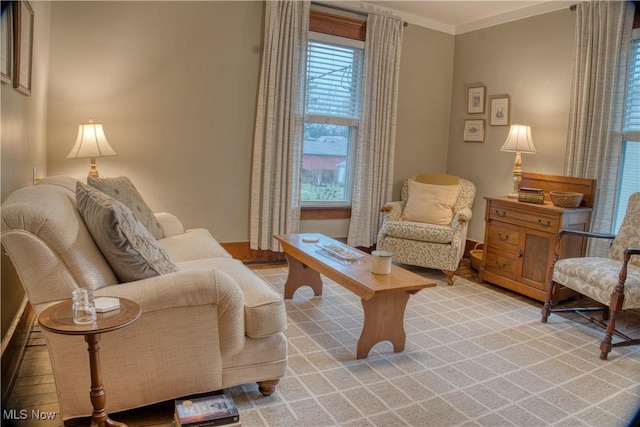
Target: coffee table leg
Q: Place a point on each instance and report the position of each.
(383, 321)
(301, 275)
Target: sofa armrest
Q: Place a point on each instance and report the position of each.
(171, 225)
(187, 289)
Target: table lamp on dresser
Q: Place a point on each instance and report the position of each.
(518, 141)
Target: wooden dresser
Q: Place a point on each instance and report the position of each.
(520, 238)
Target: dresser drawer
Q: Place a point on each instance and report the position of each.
(503, 235)
(501, 263)
(538, 220)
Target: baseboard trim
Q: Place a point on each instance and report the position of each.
(13, 345)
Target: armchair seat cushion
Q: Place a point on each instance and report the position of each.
(596, 278)
(419, 231)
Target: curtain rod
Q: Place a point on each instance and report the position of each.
(348, 10)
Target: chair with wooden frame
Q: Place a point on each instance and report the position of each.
(613, 282)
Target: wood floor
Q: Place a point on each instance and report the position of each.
(34, 390)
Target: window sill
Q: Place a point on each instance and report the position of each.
(325, 212)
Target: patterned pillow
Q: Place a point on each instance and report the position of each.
(122, 189)
(130, 249)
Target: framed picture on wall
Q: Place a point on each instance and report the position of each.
(474, 130)
(475, 101)
(23, 30)
(499, 111)
(6, 38)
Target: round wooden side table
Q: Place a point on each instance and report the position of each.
(59, 319)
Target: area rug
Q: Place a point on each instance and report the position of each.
(475, 355)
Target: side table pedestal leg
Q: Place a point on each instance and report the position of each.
(99, 418)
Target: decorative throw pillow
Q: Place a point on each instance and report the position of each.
(130, 249)
(432, 204)
(122, 189)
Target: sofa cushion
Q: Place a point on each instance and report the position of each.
(264, 311)
(123, 190)
(430, 203)
(419, 231)
(130, 249)
(193, 244)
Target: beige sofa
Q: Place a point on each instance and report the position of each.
(212, 324)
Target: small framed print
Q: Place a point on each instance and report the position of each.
(499, 111)
(6, 42)
(474, 130)
(23, 44)
(475, 101)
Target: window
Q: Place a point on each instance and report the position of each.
(630, 162)
(332, 113)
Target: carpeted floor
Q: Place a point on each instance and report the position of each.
(475, 355)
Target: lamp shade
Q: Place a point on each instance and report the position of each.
(91, 142)
(519, 140)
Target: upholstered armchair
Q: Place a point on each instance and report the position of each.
(613, 282)
(428, 226)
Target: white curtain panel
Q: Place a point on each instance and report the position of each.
(594, 138)
(376, 140)
(278, 136)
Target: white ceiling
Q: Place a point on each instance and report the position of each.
(460, 16)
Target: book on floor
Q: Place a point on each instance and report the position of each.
(206, 410)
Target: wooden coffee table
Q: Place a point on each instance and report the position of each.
(384, 296)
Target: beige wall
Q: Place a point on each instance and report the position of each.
(23, 144)
(530, 60)
(175, 85)
(424, 102)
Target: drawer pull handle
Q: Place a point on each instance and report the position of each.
(503, 265)
(520, 253)
(503, 213)
(503, 237)
(542, 223)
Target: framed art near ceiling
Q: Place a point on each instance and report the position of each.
(499, 111)
(475, 99)
(23, 23)
(6, 39)
(474, 130)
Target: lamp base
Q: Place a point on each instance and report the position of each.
(93, 172)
